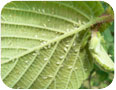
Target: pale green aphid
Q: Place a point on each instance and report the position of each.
(100, 56)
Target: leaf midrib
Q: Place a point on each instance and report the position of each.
(82, 27)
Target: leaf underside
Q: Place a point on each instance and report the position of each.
(41, 43)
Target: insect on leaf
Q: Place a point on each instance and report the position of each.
(99, 54)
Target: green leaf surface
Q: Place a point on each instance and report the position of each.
(41, 43)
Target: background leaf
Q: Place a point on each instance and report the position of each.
(100, 79)
(41, 43)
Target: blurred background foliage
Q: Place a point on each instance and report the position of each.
(99, 79)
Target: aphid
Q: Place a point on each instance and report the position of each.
(18, 88)
(61, 66)
(36, 52)
(77, 35)
(26, 61)
(79, 22)
(74, 44)
(67, 45)
(70, 67)
(14, 60)
(110, 55)
(67, 30)
(9, 43)
(45, 77)
(61, 57)
(65, 49)
(45, 47)
(76, 28)
(44, 42)
(39, 10)
(76, 50)
(44, 25)
(83, 22)
(36, 36)
(75, 24)
(58, 63)
(45, 59)
(43, 10)
(49, 46)
(50, 76)
(76, 68)
(48, 20)
(34, 8)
